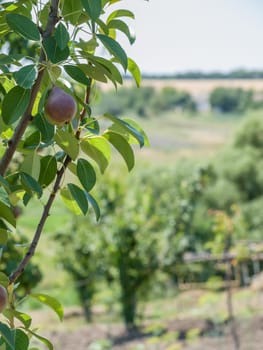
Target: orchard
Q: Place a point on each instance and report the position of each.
(50, 62)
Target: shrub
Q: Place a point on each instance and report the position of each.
(228, 100)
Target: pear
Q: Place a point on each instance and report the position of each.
(60, 107)
(3, 298)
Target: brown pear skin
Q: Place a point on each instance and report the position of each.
(3, 298)
(60, 107)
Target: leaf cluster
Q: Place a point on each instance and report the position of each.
(60, 44)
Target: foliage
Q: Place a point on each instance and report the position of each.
(145, 101)
(228, 100)
(42, 46)
(154, 219)
(145, 229)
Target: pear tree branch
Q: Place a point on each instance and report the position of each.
(27, 116)
(45, 213)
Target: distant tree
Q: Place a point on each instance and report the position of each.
(227, 100)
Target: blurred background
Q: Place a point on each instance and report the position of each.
(175, 261)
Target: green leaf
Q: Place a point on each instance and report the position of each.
(86, 174)
(77, 74)
(116, 75)
(46, 129)
(53, 51)
(125, 128)
(69, 201)
(4, 183)
(120, 13)
(67, 142)
(4, 196)
(22, 317)
(53, 303)
(7, 214)
(8, 335)
(15, 104)
(123, 27)
(94, 72)
(21, 340)
(97, 148)
(122, 146)
(61, 36)
(3, 236)
(135, 71)
(132, 123)
(48, 170)
(42, 339)
(71, 11)
(23, 26)
(94, 205)
(32, 141)
(6, 59)
(93, 8)
(26, 76)
(31, 165)
(79, 196)
(115, 49)
(30, 184)
(4, 280)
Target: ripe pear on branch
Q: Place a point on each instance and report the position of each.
(60, 107)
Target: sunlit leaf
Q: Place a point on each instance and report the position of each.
(4, 280)
(120, 13)
(135, 71)
(25, 319)
(3, 236)
(53, 303)
(94, 205)
(86, 174)
(68, 143)
(98, 149)
(115, 49)
(23, 26)
(31, 164)
(122, 146)
(123, 27)
(69, 201)
(42, 339)
(125, 128)
(79, 196)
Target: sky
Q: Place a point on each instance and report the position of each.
(181, 35)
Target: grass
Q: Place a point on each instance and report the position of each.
(177, 135)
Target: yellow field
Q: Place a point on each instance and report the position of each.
(202, 87)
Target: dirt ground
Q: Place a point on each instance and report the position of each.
(202, 335)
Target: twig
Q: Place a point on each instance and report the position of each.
(27, 116)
